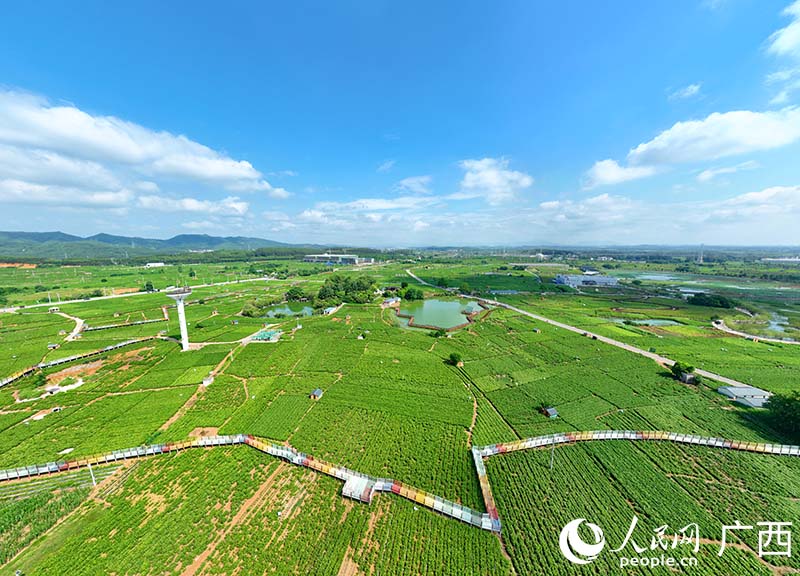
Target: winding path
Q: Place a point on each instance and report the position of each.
(720, 325)
(663, 360)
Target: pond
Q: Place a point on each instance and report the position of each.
(289, 309)
(647, 321)
(438, 313)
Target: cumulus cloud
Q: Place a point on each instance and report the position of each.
(711, 173)
(415, 184)
(609, 172)
(62, 146)
(686, 92)
(22, 192)
(719, 135)
(230, 206)
(786, 41)
(491, 179)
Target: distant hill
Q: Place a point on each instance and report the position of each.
(60, 246)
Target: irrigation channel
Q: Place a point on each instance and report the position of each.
(362, 487)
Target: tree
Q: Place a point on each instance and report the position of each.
(455, 359)
(192, 273)
(465, 288)
(295, 294)
(40, 380)
(414, 294)
(148, 287)
(784, 411)
(404, 285)
(711, 300)
(679, 368)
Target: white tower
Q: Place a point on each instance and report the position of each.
(179, 296)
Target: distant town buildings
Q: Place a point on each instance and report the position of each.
(583, 280)
(746, 395)
(341, 259)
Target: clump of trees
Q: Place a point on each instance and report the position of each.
(454, 359)
(711, 300)
(678, 368)
(338, 289)
(295, 294)
(784, 411)
(413, 294)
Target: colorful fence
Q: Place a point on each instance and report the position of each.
(363, 487)
(41, 365)
(570, 437)
(358, 486)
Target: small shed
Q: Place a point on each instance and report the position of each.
(329, 310)
(688, 378)
(316, 394)
(550, 412)
(53, 309)
(53, 346)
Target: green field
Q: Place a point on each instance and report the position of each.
(394, 405)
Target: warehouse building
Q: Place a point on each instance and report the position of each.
(341, 259)
(746, 395)
(584, 280)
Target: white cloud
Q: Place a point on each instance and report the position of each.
(231, 206)
(786, 41)
(415, 184)
(609, 172)
(711, 173)
(717, 136)
(490, 178)
(686, 92)
(386, 166)
(201, 225)
(21, 192)
(61, 145)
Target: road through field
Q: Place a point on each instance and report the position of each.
(663, 360)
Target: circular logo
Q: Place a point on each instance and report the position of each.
(574, 548)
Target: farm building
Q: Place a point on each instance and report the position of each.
(550, 412)
(53, 346)
(154, 265)
(746, 395)
(316, 394)
(329, 310)
(390, 302)
(582, 280)
(688, 378)
(331, 259)
(53, 309)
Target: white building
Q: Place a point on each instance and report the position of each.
(583, 280)
(154, 265)
(746, 395)
(346, 259)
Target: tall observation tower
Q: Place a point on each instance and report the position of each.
(179, 296)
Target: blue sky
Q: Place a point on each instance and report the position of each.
(405, 123)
